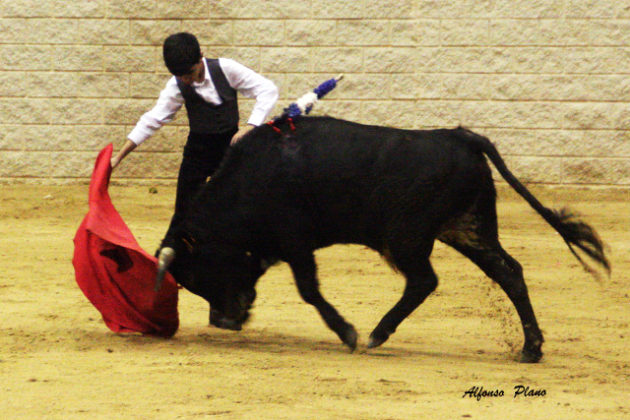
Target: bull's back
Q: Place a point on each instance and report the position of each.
(358, 180)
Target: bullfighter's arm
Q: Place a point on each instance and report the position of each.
(241, 132)
(251, 85)
(124, 151)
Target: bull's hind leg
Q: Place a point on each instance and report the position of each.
(508, 273)
(476, 235)
(305, 274)
(421, 281)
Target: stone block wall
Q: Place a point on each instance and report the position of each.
(547, 80)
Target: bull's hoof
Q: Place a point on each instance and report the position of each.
(350, 337)
(377, 338)
(229, 324)
(531, 355)
(225, 323)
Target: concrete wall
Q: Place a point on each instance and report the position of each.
(548, 81)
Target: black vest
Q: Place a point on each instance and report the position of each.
(204, 117)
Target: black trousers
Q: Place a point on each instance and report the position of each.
(202, 155)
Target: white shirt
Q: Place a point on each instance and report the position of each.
(249, 83)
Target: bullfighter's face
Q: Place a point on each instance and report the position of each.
(196, 74)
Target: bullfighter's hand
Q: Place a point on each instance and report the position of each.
(127, 148)
(240, 133)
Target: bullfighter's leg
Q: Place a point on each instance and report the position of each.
(508, 273)
(421, 282)
(305, 273)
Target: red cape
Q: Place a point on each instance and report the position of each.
(114, 273)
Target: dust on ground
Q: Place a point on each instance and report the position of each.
(59, 361)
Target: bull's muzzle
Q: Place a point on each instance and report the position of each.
(166, 257)
(239, 312)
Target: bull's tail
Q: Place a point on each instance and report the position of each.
(574, 231)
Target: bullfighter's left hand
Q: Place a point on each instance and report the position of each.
(241, 132)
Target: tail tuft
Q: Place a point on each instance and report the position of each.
(574, 231)
(579, 234)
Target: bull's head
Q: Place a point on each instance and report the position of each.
(227, 282)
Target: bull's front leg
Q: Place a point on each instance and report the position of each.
(305, 274)
(421, 282)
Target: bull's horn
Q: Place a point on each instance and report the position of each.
(166, 257)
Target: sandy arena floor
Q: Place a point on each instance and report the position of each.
(59, 361)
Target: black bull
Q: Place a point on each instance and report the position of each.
(280, 196)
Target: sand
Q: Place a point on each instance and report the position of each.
(59, 361)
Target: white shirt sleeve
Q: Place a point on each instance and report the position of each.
(251, 85)
(169, 102)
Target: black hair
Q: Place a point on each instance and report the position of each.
(181, 51)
